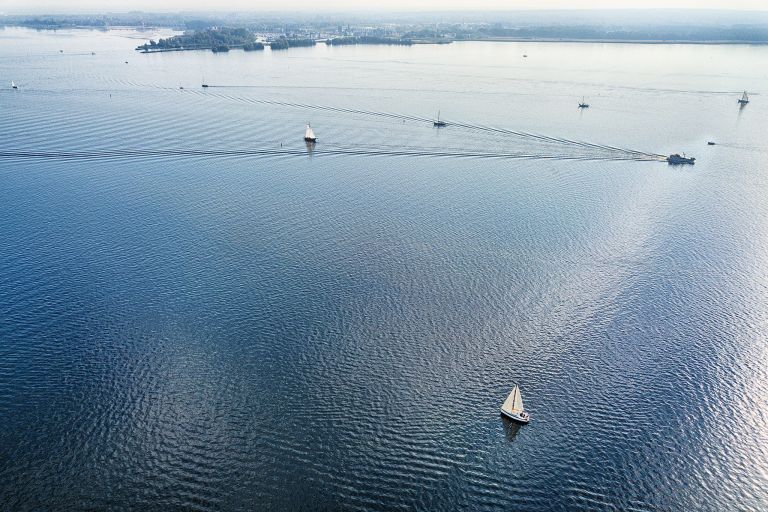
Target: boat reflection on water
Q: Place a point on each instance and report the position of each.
(310, 147)
(511, 428)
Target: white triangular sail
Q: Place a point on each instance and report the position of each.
(309, 134)
(514, 402)
(518, 400)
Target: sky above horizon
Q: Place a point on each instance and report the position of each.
(9, 6)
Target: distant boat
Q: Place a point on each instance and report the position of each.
(744, 98)
(711, 143)
(525, 56)
(513, 406)
(438, 123)
(583, 104)
(309, 134)
(13, 85)
(676, 159)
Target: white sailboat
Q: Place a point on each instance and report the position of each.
(744, 98)
(513, 406)
(13, 85)
(309, 134)
(583, 104)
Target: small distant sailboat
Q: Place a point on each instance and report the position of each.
(583, 104)
(309, 134)
(439, 123)
(513, 406)
(13, 85)
(744, 99)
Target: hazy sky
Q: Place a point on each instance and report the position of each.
(391, 5)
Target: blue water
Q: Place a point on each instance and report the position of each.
(199, 312)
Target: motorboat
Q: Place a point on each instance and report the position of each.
(676, 159)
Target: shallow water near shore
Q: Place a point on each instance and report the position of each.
(198, 311)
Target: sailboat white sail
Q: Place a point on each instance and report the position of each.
(13, 85)
(309, 134)
(513, 406)
(518, 405)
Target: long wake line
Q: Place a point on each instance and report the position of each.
(503, 131)
(97, 154)
(643, 155)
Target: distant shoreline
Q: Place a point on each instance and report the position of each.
(515, 40)
(436, 41)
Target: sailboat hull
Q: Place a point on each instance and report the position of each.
(310, 139)
(521, 417)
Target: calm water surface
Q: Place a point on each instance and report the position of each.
(197, 312)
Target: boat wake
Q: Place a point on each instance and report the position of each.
(325, 150)
(603, 148)
(504, 143)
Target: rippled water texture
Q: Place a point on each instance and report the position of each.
(199, 312)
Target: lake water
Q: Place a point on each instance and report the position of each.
(199, 312)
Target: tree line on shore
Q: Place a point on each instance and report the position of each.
(221, 40)
(217, 40)
(284, 43)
